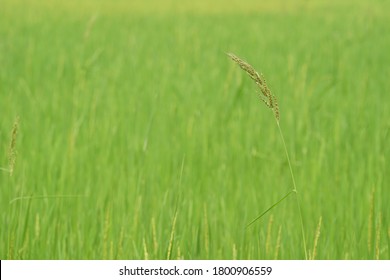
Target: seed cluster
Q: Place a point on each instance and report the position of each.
(12, 147)
(265, 93)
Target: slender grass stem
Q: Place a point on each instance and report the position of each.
(294, 189)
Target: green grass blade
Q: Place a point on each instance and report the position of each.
(270, 208)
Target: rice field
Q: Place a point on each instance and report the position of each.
(126, 132)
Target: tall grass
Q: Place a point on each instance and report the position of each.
(113, 95)
(271, 102)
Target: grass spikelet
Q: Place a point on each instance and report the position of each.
(120, 244)
(146, 254)
(234, 251)
(170, 245)
(268, 238)
(106, 233)
(316, 238)
(271, 101)
(370, 221)
(265, 93)
(206, 231)
(12, 153)
(111, 250)
(378, 236)
(11, 246)
(388, 242)
(37, 227)
(154, 235)
(278, 240)
(179, 256)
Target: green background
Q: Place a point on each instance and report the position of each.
(140, 139)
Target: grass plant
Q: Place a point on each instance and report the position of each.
(138, 137)
(271, 102)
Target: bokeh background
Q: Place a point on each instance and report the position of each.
(139, 139)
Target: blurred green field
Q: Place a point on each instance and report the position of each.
(140, 139)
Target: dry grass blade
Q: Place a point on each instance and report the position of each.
(265, 93)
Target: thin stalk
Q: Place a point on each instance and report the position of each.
(294, 188)
(270, 208)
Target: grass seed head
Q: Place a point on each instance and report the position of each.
(316, 238)
(265, 93)
(12, 147)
